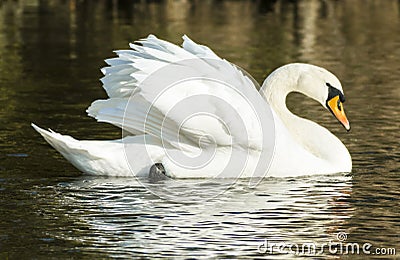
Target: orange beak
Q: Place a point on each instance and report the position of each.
(336, 107)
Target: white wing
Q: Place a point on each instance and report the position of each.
(187, 96)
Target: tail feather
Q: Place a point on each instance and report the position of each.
(62, 143)
(107, 158)
(72, 150)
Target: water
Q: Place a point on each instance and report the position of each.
(50, 55)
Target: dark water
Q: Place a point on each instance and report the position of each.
(50, 55)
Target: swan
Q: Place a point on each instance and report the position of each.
(187, 113)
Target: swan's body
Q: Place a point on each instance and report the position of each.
(299, 146)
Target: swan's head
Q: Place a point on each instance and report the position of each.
(321, 85)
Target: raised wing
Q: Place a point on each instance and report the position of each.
(187, 97)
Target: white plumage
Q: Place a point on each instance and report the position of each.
(201, 116)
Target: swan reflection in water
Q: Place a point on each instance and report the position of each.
(125, 218)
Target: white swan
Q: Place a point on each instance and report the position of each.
(229, 132)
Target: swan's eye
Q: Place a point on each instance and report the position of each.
(329, 85)
(339, 105)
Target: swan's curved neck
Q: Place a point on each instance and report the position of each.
(311, 136)
(277, 87)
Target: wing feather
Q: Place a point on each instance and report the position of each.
(139, 108)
